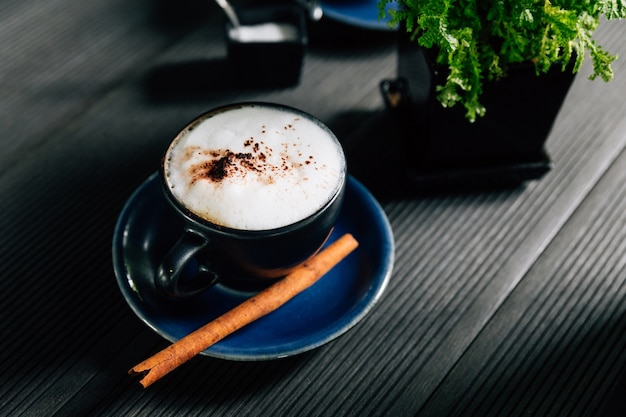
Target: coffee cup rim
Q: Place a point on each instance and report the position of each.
(194, 218)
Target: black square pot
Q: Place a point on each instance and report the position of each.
(269, 63)
(442, 147)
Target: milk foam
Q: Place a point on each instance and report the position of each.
(255, 167)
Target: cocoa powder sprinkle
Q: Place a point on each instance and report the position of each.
(221, 164)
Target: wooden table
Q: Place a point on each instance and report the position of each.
(501, 302)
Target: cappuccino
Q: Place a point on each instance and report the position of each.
(255, 167)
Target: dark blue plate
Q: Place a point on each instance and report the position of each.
(146, 229)
(360, 13)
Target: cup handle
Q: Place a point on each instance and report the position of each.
(168, 276)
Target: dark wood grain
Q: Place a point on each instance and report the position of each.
(501, 302)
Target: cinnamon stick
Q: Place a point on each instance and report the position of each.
(266, 301)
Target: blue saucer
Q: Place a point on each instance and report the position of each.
(360, 13)
(146, 229)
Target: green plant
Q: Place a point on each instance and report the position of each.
(478, 40)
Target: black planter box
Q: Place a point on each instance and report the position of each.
(505, 146)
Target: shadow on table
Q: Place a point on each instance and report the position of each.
(615, 406)
(199, 79)
(180, 16)
(215, 381)
(377, 158)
